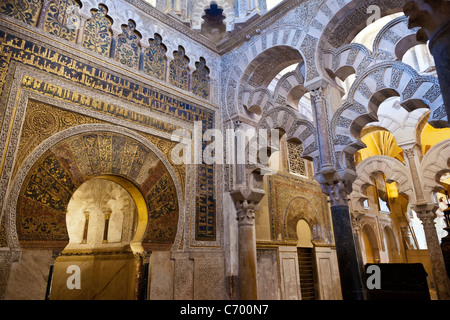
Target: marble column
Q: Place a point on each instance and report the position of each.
(433, 18)
(349, 264)
(248, 289)
(247, 202)
(426, 213)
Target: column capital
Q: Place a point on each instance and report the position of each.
(409, 152)
(411, 149)
(246, 201)
(317, 93)
(338, 191)
(426, 212)
(246, 212)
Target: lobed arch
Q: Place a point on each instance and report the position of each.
(257, 101)
(349, 59)
(391, 43)
(146, 28)
(266, 65)
(288, 92)
(394, 40)
(370, 89)
(435, 163)
(394, 171)
(406, 126)
(292, 126)
(290, 89)
(337, 22)
(295, 128)
(128, 181)
(199, 7)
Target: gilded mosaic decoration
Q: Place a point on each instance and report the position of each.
(42, 58)
(155, 59)
(63, 19)
(97, 34)
(24, 10)
(200, 79)
(62, 169)
(127, 46)
(5, 57)
(179, 69)
(41, 122)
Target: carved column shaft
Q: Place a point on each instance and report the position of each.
(322, 124)
(427, 215)
(248, 289)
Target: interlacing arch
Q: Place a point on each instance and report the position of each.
(375, 85)
(245, 72)
(391, 43)
(293, 125)
(288, 122)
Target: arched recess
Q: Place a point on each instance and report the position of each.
(434, 165)
(300, 208)
(369, 239)
(391, 244)
(51, 173)
(393, 170)
(304, 234)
